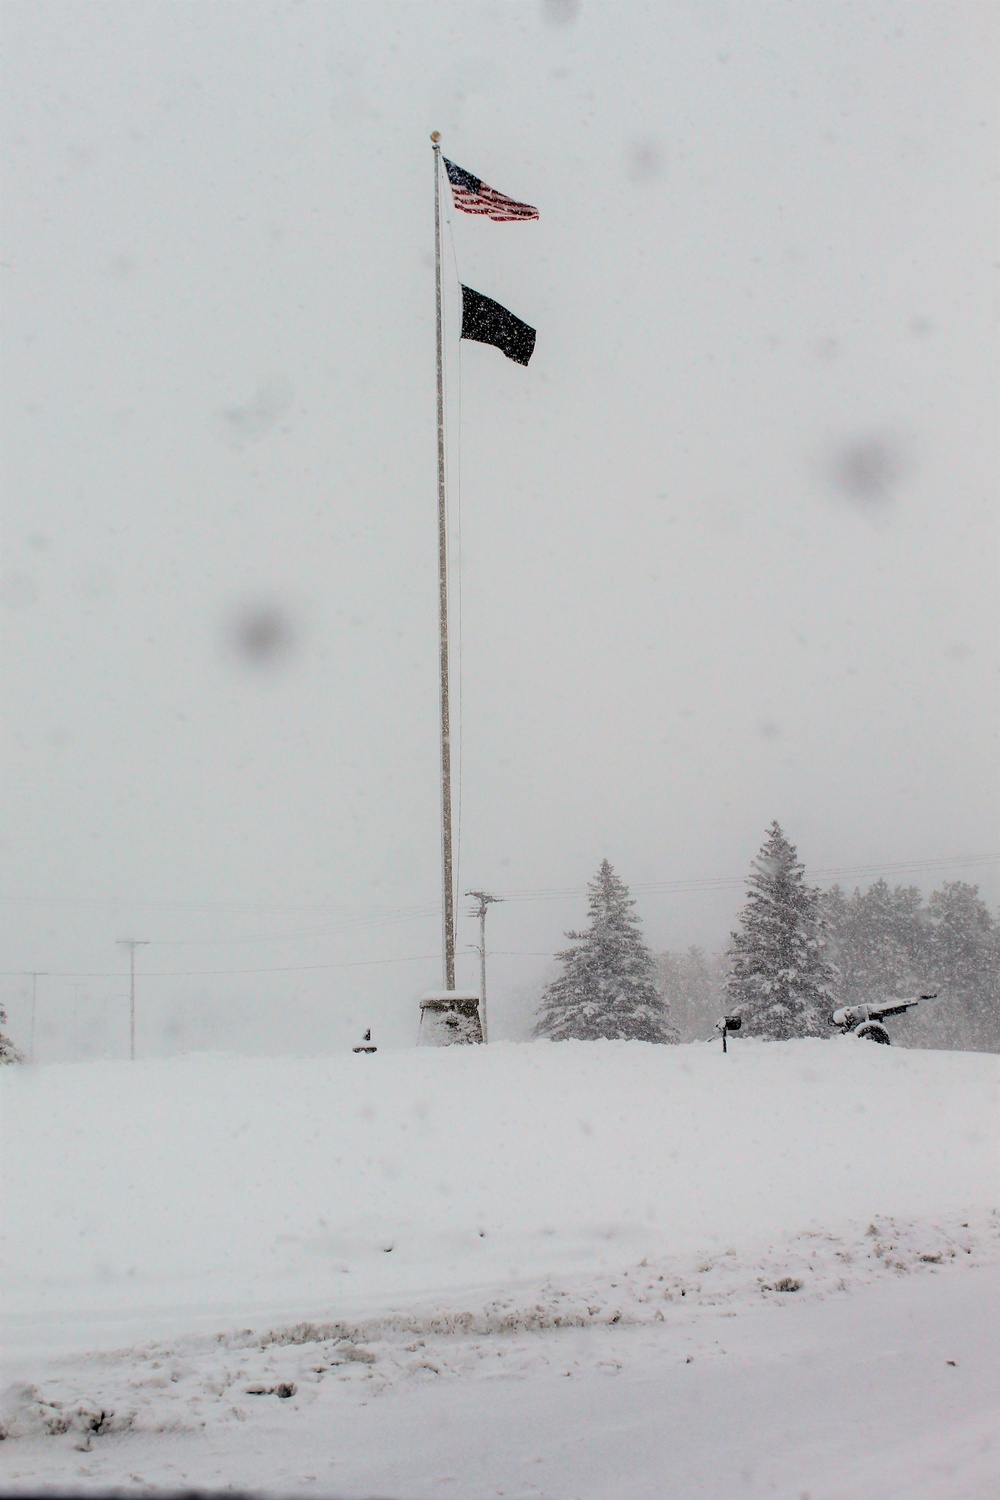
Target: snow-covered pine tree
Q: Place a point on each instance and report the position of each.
(780, 979)
(607, 987)
(887, 942)
(964, 961)
(878, 939)
(693, 986)
(8, 1052)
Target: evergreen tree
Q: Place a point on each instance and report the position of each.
(8, 1052)
(879, 940)
(607, 987)
(887, 942)
(693, 986)
(779, 976)
(964, 962)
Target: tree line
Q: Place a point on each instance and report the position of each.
(797, 953)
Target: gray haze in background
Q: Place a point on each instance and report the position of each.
(729, 544)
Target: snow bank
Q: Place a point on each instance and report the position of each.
(203, 1192)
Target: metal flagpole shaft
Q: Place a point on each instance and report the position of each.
(447, 882)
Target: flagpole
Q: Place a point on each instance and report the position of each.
(447, 881)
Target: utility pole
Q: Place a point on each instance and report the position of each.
(485, 900)
(35, 975)
(132, 944)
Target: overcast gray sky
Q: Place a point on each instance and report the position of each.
(729, 543)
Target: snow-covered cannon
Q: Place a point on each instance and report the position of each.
(866, 1020)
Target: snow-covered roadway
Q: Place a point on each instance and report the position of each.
(888, 1394)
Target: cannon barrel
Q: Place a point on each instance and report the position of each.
(877, 1010)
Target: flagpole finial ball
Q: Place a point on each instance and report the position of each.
(435, 136)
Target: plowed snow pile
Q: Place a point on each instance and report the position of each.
(244, 1237)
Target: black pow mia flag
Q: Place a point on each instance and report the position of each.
(486, 322)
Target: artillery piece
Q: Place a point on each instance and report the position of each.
(866, 1020)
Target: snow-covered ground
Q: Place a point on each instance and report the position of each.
(412, 1274)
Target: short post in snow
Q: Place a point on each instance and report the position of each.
(727, 1024)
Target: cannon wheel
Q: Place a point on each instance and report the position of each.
(873, 1031)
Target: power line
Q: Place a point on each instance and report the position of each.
(729, 882)
(375, 916)
(413, 913)
(359, 963)
(256, 908)
(334, 930)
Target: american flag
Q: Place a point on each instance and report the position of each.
(472, 196)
